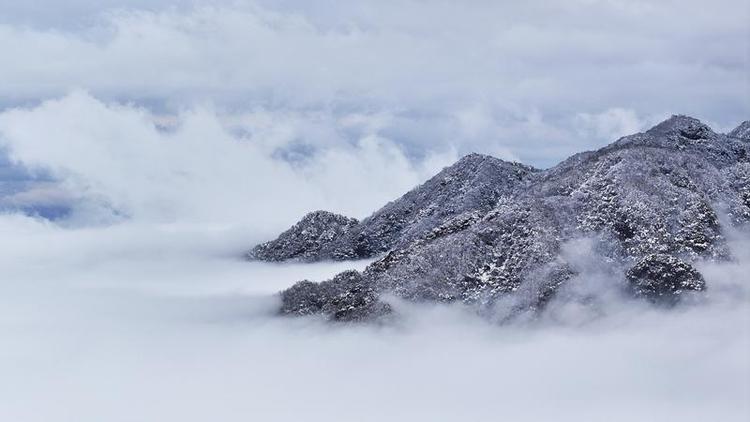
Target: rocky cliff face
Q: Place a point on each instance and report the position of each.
(485, 232)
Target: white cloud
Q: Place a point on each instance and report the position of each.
(155, 322)
(612, 123)
(422, 62)
(117, 158)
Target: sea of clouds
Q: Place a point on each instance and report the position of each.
(154, 322)
(171, 136)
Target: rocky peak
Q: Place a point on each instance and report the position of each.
(472, 185)
(306, 238)
(684, 127)
(742, 131)
(472, 166)
(687, 135)
(475, 157)
(326, 217)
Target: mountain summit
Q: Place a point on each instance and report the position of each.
(742, 131)
(473, 184)
(496, 235)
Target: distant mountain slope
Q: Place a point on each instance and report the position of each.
(742, 131)
(307, 239)
(652, 202)
(475, 183)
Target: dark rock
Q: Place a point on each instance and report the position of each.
(664, 279)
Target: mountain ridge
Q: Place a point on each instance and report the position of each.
(490, 233)
(474, 182)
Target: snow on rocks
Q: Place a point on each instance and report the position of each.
(484, 230)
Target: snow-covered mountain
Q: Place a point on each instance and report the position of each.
(487, 232)
(473, 184)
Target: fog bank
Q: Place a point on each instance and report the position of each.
(156, 323)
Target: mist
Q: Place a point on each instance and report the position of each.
(130, 322)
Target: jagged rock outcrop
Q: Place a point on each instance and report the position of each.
(493, 232)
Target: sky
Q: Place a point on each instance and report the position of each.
(145, 145)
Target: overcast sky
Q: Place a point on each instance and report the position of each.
(531, 81)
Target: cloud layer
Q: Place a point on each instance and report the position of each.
(130, 323)
(116, 162)
(532, 78)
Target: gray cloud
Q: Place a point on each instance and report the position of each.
(527, 70)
